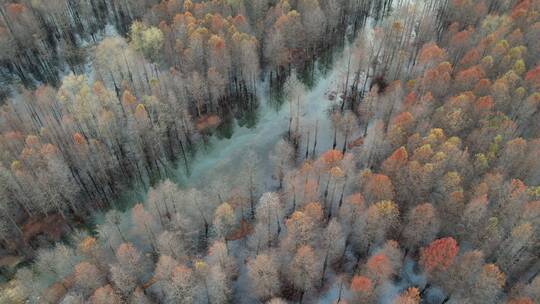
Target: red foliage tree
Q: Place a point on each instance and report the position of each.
(466, 79)
(362, 289)
(439, 255)
(378, 187)
(331, 157)
(379, 268)
(533, 78)
(521, 301)
(395, 162)
(431, 52)
(361, 284)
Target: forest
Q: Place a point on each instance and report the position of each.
(270, 151)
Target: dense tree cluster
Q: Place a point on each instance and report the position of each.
(436, 201)
(41, 38)
(146, 99)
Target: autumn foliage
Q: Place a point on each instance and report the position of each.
(439, 255)
(186, 153)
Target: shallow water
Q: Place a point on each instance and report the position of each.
(221, 157)
(224, 155)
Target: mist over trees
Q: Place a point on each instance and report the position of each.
(417, 182)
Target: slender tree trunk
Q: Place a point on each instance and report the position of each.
(315, 140)
(307, 146)
(325, 265)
